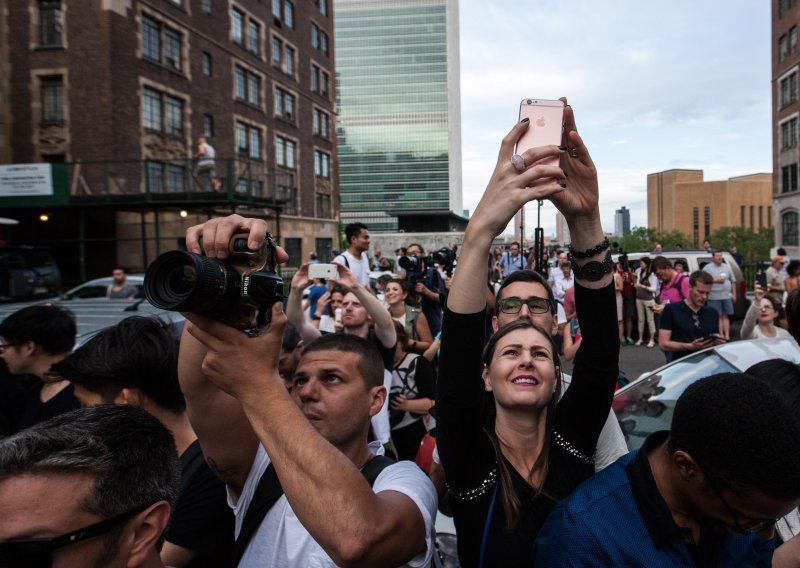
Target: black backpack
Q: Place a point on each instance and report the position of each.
(268, 492)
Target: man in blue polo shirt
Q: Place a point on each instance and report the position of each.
(706, 493)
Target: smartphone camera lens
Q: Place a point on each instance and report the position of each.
(529, 101)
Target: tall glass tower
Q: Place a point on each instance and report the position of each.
(399, 113)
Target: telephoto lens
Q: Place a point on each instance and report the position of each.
(186, 282)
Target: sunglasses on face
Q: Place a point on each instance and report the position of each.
(536, 305)
(38, 552)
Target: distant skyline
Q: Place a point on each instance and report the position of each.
(680, 85)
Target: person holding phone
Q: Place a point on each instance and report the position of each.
(759, 321)
(507, 456)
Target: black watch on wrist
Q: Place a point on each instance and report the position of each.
(592, 271)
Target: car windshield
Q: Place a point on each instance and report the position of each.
(646, 406)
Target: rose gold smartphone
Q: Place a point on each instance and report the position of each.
(546, 126)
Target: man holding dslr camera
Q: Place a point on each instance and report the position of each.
(313, 441)
(426, 282)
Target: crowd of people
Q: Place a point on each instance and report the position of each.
(336, 435)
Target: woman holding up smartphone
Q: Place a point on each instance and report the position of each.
(507, 455)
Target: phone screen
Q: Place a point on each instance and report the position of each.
(546, 125)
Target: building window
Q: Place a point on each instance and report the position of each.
(253, 37)
(783, 47)
(321, 124)
(741, 216)
(246, 86)
(208, 126)
(323, 247)
(206, 64)
(784, 6)
(248, 140)
(288, 60)
(237, 26)
(696, 225)
(161, 44)
(293, 248)
(789, 89)
(707, 222)
(162, 112)
(793, 40)
(52, 99)
(789, 133)
(323, 207)
(277, 51)
(322, 164)
(789, 178)
(752, 217)
(319, 81)
(50, 23)
(322, 5)
(283, 13)
(205, 6)
(769, 215)
(155, 176)
(789, 224)
(176, 178)
(760, 216)
(319, 39)
(284, 104)
(285, 151)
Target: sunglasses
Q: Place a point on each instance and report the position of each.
(38, 553)
(536, 305)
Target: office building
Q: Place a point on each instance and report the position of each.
(785, 114)
(115, 94)
(680, 200)
(398, 106)
(622, 222)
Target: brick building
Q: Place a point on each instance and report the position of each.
(681, 200)
(120, 90)
(785, 114)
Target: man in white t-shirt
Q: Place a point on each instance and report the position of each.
(355, 257)
(315, 437)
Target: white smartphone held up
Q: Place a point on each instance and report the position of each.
(322, 271)
(546, 127)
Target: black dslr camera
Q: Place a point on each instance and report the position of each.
(446, 258)
(238, 291)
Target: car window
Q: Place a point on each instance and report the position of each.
(702, 261)
(646, 406)
(88, 292)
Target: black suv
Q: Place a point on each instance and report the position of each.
(26, 273)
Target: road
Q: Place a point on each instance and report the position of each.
(633, 360)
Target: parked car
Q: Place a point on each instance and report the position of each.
(696, 260)
(97, 288)
(94, 312)
(27, 273)
(645, 405)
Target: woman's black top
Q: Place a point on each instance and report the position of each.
(467, 454)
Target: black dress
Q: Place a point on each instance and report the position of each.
(467, 454)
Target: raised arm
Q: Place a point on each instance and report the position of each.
(384, 325)
(294, 307)
(354, 525)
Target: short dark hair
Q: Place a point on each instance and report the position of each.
(781, 375)
(793, 313)
(781, 251)
(353, 230)
(291, 337)
(792, 267)
(49, 326)
(741, 433)
(128, 452)
(370, 362)
(700, 276)
(661, 262)
(421, 248)
(139, 352)
(525, 276)
(402, 336)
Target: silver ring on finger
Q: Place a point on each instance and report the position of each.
(518, 162)
(573, 152)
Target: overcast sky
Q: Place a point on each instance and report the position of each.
(654, 86)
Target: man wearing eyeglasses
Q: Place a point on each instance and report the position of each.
(91, 488)
(690, 325)
(706, 493)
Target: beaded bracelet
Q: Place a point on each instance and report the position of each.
(589, 252)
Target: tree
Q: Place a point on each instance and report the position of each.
(644, 239)
(752, 245)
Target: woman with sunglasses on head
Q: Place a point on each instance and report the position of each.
(759, 321)
(508, 456)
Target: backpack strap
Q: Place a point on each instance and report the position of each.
(679, 287)
(346, 262)
(268, 492)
